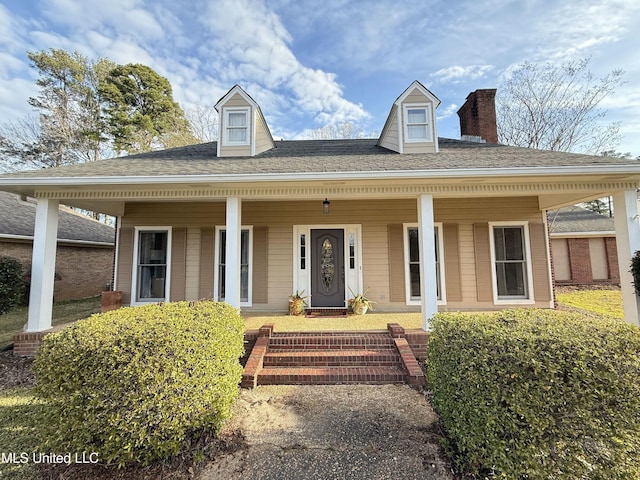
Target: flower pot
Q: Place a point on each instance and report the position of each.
(296, 306)
(360, 308)
(111, 300)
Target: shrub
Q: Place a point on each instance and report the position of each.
(135, 384)
(538, 394)
(12, 284)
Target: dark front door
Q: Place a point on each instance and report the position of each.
(327, 268)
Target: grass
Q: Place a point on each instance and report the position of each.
(370, 321)
(13, 322)
(19, 414)
(601, 302)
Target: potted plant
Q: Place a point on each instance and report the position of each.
(359, 304)
(297, 302)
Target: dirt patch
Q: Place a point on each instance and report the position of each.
(342, 431)
(15, 371)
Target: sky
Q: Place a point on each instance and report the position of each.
(308, 63)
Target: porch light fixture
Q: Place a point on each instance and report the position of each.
(325, 206)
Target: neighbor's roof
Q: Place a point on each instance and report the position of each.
(455, 158)
(576, 219)
(17, 218)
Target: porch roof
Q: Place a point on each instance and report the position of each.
(456, 158)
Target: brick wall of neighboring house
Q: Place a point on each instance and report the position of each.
(580, 262)
(81, 271)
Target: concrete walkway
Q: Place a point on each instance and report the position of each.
(333, 432)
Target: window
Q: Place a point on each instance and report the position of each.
(245, 265)
(237, 126)
(412, 260)
(152, 260)
(416, 123)
(512, 269)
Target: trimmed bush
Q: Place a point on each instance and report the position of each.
(136, 384)
(12, 284)
(538, 394)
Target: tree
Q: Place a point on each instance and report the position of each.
(141, 112)
(556, 107)
(69, 127)
(342, 130)
(204, 122)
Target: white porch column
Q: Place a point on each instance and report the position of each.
(627, 223)
(232, 259)
(43, 266)
(428, 290)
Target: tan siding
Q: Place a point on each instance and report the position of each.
(397, 292)
(260, 265)
(235, 151)
(416, 96)
(192, 271)
(373, 215)
(389, 138)
(484, 287)
(237, 100)
(452, 263)
(598, 254)
(206, 263)
(560, 254)
(125, 263)
(421, 147)
(264, 141)
(541, 284)
(178, 264)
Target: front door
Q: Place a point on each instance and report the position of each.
(327, 268)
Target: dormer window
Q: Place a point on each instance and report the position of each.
(237, 126)
(416, 123)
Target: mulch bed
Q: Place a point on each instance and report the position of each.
(15, 371)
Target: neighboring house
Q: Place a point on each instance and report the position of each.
(583, 247)
(420, 222)
(84, 260)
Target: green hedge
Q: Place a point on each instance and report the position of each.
(538, 394)
(136, 384)
(12, 284)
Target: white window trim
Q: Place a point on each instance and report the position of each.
(216, 279)
(225, 133)
(429, 119)
(297, 272)
(407, 277)
(527, 251)
(134, 274)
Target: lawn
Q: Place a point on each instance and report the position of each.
(13, 322)
(602, 302)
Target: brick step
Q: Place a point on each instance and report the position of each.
(333, 358)
(330, 375)
(337, 341)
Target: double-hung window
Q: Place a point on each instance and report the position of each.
(245, 265)
(510, 253)
(236, 121)
(412, 263)
(152, 264)
(416, 123)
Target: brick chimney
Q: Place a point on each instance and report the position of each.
(478, 115)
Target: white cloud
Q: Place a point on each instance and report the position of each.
(451, 110)
(458, 73)
(259, 53)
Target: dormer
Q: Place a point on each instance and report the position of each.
(411, 124)
(242, 129)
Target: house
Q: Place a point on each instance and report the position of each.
(583, 247)
(85, 247)
(423, 223)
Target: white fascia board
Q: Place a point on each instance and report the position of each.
(372, 175)
(424, 90)
(605, 233)
(61, 241)
(235, 89)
